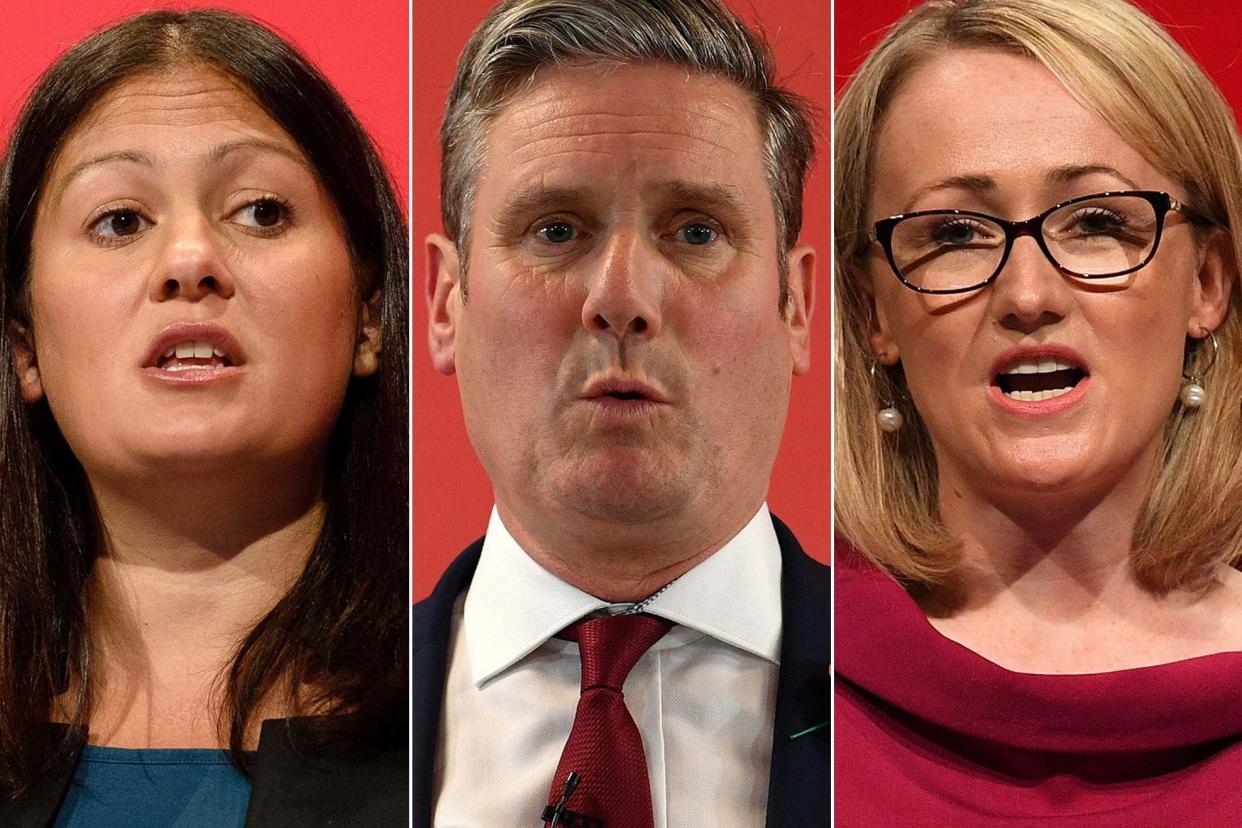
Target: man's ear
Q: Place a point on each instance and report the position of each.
(800, 304)
(370, 336)
(443, 292)
(1217, 274)
(25, 363)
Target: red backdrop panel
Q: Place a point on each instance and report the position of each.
(361, 47)
(452, 496)
(1207, 29)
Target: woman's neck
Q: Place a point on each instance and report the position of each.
(1046, 585)
(183, 574)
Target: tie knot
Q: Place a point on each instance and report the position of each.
(611, 645)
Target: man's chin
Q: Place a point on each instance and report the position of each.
(633, 490)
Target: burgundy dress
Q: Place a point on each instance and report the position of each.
(929, 733)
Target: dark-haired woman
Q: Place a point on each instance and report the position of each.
(203, 457)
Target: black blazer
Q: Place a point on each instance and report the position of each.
(799, 783)
(369, 790)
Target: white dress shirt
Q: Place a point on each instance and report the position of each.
(703, 696)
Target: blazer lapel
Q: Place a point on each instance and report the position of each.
(37, 807)
(801, 776)
(300, 782)
(431, 620)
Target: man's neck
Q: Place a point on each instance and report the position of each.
(621, 562)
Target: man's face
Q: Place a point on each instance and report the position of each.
(619, 351)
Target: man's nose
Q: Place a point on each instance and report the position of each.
(625, 294)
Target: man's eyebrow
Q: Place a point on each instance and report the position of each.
(720, 196)
(535, 197)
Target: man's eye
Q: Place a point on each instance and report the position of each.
(118, 224)
(558, 232)
(264, 213)
(697, 234)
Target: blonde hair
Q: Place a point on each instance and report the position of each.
(1159, 101)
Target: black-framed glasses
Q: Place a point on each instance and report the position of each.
(1094, 237)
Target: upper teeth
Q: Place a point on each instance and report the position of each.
(198, 350)
(1038, 366)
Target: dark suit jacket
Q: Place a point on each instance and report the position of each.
(364, 791)
(799, 785)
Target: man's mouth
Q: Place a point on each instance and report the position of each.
(1035, 379)
(623, 396)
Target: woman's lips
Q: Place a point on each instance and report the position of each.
(1038, 380)
(193, 376)
(1044, 407)
(192, 354)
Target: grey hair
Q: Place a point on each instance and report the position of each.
(520, 37)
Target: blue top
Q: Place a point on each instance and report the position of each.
(154, 788)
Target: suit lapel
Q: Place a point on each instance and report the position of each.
(431, 620)
(800, 776)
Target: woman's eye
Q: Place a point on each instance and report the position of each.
(1098, 222)
(557, 232)
(264, 213)
(118, 224)
(697, 234)
(956, 234)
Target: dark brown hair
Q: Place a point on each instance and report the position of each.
(343, 626)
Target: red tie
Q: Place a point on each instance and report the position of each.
(605, 747)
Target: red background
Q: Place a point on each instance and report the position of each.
(360, 46)
(452, 497)
(1210, 30)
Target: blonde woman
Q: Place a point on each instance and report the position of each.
(1038, 426)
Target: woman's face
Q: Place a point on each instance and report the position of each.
(193, 304)
(996, 133)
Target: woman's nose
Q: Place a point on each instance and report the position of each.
(190, 265)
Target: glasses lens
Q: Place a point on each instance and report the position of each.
(947, 251)
(1103, 236)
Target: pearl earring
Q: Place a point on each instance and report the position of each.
(1193, 394)
(889, 418)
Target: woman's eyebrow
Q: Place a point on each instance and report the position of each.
(220, 152)
(1070, 173)
(215, 155)
(1066, 174)
(132, 156)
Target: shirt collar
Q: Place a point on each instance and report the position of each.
(514, 605)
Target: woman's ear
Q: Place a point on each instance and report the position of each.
(25, 363)
(883, 346)
(1215, 283)
(370, 337)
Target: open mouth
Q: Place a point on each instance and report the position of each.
(622, 395)
(1035, 379)
(193, 356)
(625, 395)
